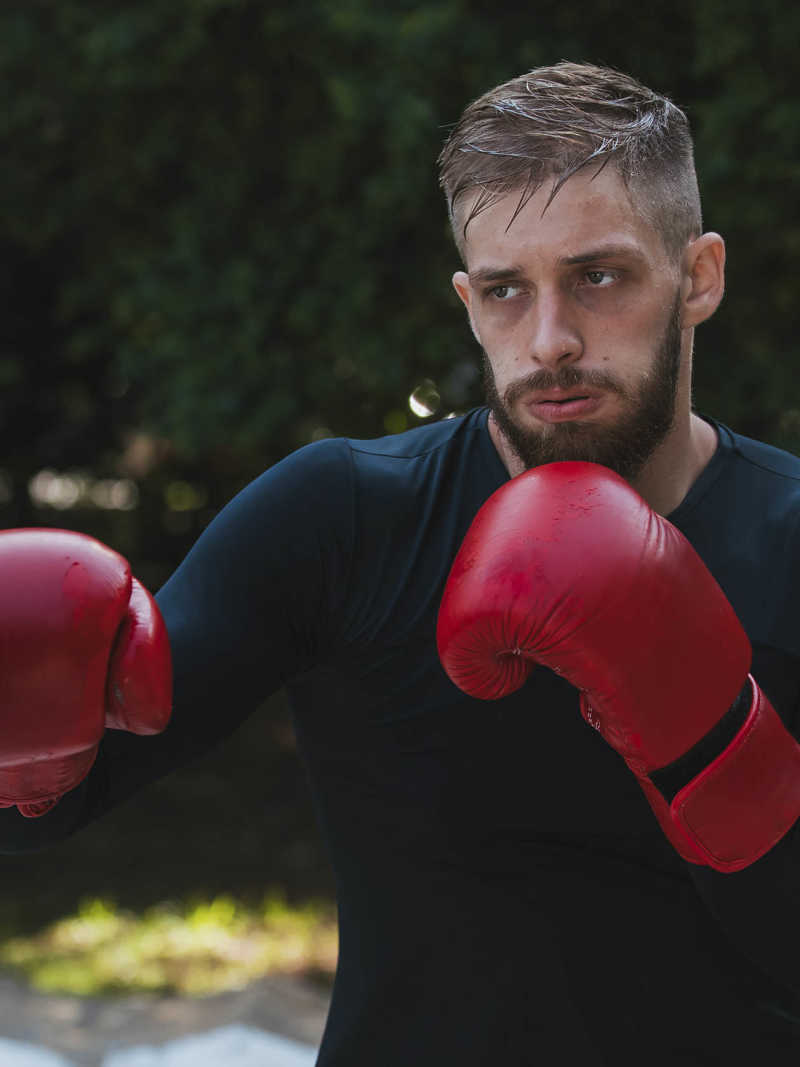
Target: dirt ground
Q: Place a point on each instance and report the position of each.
(85, 1029)
(239, 822)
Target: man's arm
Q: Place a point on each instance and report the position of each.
(247, 609)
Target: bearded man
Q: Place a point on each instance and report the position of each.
(542, 658)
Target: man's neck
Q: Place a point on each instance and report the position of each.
(667, 476)
(676, 465)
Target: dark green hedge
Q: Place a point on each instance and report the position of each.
(221, 225)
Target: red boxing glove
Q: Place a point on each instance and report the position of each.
(566, 566)
(83, 646)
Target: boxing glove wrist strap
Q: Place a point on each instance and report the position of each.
(681, 772)
(744, 801)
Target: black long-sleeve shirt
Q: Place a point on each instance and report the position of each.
(505, 893)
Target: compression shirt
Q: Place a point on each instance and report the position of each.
(505, 893)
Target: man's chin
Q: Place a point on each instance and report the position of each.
(553, 442)
(587, 441)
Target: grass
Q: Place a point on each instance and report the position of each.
(194, 948)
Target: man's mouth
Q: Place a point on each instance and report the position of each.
(560, 405)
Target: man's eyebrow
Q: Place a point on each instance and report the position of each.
(495, 274)
(592, 255)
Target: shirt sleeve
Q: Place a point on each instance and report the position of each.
(254, 604)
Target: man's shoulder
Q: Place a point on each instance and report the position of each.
(337, 454)
(749, 485)
(419, 441)
(766, 458)
(743, 518)
(752, 539)
(403, 469)
(389, 476)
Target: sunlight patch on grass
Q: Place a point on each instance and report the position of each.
(194, 949)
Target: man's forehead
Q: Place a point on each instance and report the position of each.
(587, 214)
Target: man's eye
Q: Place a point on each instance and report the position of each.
(599, 279)
(504, 292)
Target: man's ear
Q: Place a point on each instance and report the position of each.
(703, 280)
(464, 290)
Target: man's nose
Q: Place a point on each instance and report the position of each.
(555, 338)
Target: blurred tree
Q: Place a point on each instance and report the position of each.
(747, 111)
(221, 222)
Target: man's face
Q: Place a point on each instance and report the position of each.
(578, 313)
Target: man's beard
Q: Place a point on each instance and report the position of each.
(624, 445)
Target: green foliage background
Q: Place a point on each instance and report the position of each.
(221, 224)
(221, 233)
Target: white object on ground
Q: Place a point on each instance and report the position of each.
(233, 1046)
(21, 1054)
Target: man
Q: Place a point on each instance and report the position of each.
(509, 892)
